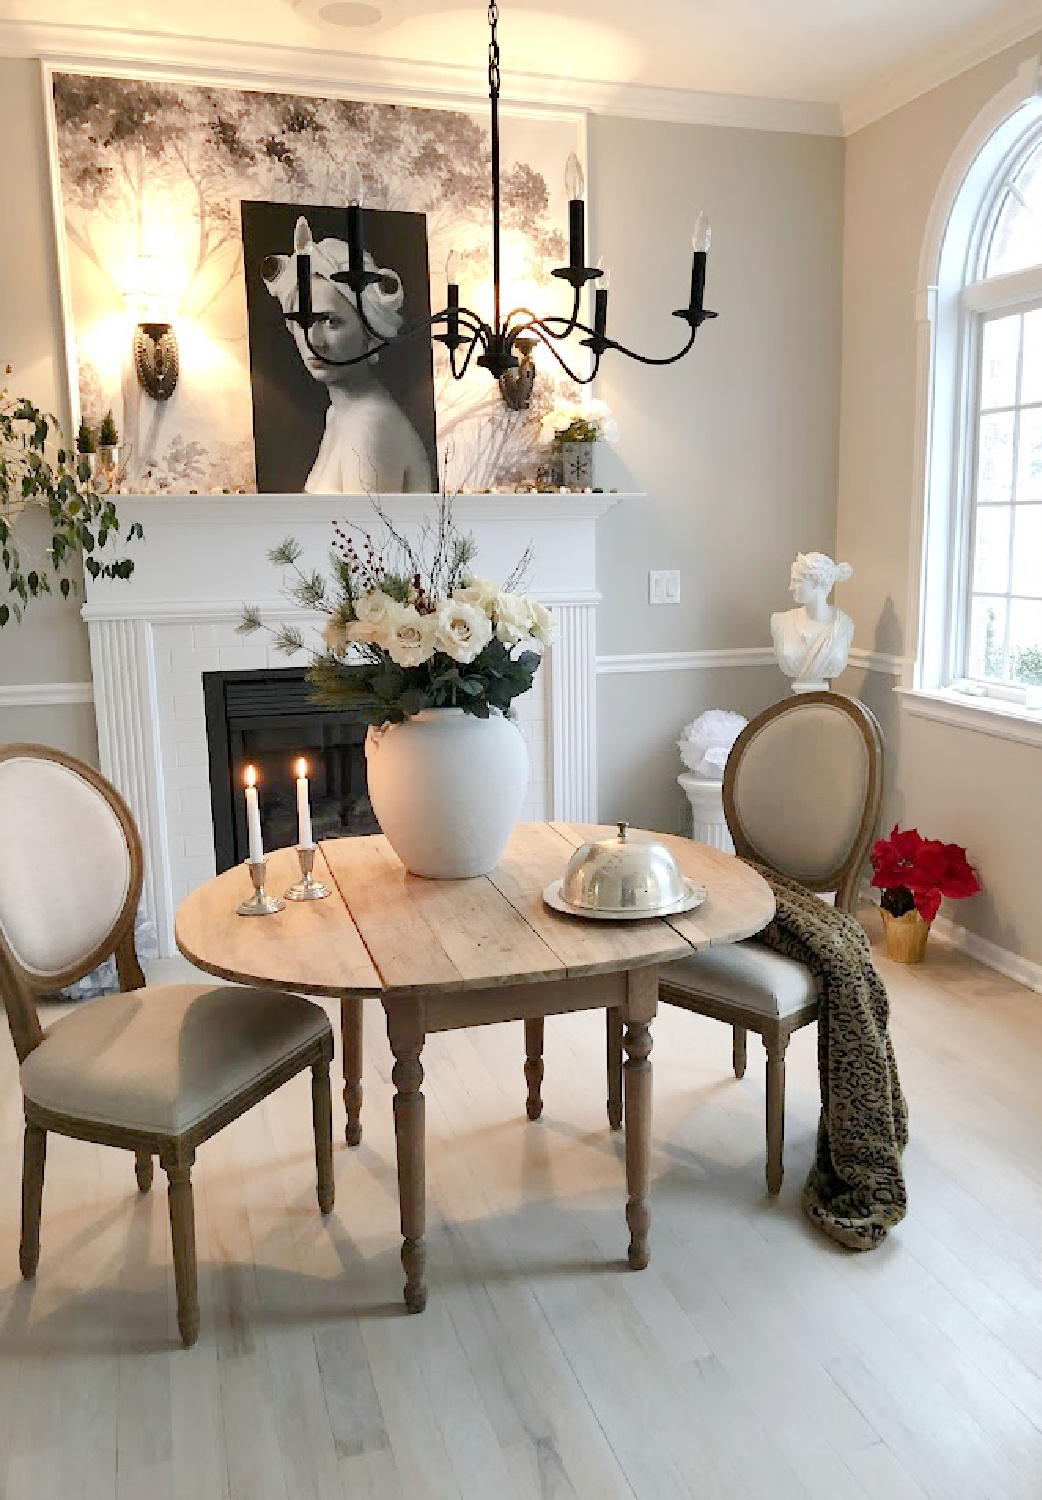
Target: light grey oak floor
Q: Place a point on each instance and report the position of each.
(751, 1359)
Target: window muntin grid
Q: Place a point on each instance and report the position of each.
(1015, 241)
(1004, 639)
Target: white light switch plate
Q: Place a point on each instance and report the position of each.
(664, 586)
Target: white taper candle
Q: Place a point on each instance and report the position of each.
(304, 838)
(253, 822)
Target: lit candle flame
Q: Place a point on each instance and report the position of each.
(250, 778)
(302, 768)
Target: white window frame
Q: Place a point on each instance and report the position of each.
(950, 305)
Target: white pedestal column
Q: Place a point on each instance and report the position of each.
(708, 824)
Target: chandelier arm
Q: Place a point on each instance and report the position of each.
(543, 326)
(646, 359)
(547, 340)
(571, 323)
(473, 324)
(458, 374)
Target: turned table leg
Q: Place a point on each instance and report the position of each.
(534, 1065)
(405, 1032)
(640, 1008)
(351, 1042)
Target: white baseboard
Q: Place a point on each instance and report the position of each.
(1013, 965)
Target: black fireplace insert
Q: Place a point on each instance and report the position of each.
(267, 719)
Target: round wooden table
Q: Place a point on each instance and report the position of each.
(444, 954)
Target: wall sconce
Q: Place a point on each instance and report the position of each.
(516, 385)
(156, 360)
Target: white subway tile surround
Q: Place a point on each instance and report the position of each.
(152, 638)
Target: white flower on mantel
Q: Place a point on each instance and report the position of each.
(581, 421)
(463, 630)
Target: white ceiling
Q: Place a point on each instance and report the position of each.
(827, 51)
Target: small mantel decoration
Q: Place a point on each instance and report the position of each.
(572, 427)
(431, 657)
(914, 874)
(41, 471)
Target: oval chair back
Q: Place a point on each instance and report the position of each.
(802, 791)
(71, 870)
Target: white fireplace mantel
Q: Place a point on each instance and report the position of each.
(203, 556)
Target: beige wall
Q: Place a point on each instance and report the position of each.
(51, 646)
(951, 783)
(736, 447)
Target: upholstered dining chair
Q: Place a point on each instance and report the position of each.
(802, 790)
(157, 1070)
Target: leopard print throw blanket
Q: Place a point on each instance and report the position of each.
(855, 1191)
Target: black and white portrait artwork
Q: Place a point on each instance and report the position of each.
(321, 425)
(153, 177)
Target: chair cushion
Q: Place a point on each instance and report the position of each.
(163, 1059)
(748, 974)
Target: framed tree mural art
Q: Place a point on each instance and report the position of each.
(155, 182)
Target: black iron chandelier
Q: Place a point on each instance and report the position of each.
(506, 344)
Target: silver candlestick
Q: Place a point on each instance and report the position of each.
(307, 888)
(260, 903)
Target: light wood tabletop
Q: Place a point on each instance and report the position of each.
(445, 954)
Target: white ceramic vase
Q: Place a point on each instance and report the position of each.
(447, 789)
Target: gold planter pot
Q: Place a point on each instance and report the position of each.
(905, 937)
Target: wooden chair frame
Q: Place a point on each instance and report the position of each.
(176, 1152)
(774, 1031)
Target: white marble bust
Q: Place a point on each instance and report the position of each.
(811, 642)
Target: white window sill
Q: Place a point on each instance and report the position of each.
(1004, 721)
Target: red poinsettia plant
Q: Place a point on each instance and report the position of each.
(915, 872)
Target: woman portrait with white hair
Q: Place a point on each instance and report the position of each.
(368, 443)
(811, 642)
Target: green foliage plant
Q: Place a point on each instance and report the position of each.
(85, 439)
(39, 471)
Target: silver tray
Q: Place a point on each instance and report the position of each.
(694, 895)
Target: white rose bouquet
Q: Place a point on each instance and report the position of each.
(405, 633)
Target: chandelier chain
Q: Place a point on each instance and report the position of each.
(493, 48)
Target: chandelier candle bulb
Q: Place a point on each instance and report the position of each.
(574, 185)
(600, 306)
(304, 838)
(253, 823)
(700, 240)
(355, 253)
(452, 278)
(304, 290)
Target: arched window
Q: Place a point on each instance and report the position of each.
(1003, 585)
(981, 597)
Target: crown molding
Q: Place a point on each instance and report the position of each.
(902, 87)
(319, 71)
